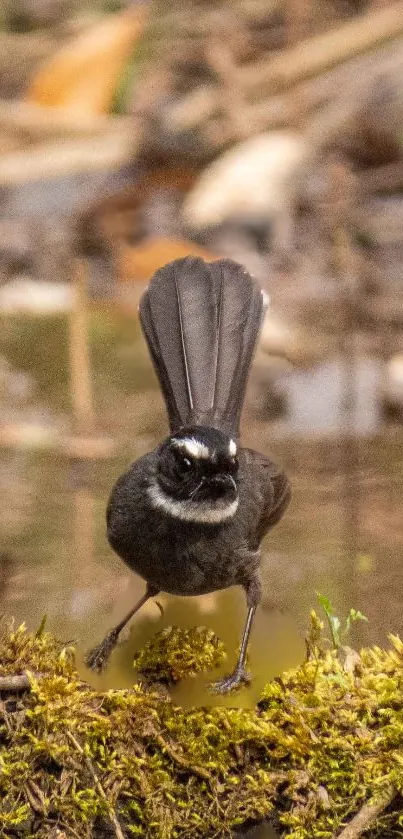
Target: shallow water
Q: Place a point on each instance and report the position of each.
(56, 559)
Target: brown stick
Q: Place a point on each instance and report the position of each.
(345, 263)
(36, 123)
(367, 815)
(14, 683)
(80, 365)
(313, 56)
(103, 152)
(274, 111)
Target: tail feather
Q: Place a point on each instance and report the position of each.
(158, 361)
(201, 322)
(240, 314)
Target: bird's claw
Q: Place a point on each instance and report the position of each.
(97, 658)
(235, 681)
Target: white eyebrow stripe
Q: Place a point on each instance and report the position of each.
(200, 512)
(192, 446)
(232, 449)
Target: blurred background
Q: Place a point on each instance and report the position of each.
(269, 131)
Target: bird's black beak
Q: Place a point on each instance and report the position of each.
(218, 486)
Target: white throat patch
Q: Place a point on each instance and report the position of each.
(200, 512)
(192, 447)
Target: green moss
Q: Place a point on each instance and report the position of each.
(326, 737)
(176, 653)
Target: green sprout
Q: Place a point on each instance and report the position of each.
(338, 632)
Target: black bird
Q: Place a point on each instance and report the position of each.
(189, 516)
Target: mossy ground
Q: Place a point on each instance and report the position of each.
(325, 738)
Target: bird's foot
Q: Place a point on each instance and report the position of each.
(97, 658)
(235, 681)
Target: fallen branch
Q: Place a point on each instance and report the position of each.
(64, 157)
(315, 55)
(14, 683)
(273, 112)
(36, 122)
(367, 815)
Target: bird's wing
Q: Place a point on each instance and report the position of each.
(267, 492)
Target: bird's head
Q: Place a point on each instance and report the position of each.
(197, 476)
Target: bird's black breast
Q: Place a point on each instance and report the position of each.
(182, 557)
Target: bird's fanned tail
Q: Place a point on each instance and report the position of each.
(201, 322)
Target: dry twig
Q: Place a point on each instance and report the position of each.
(319, 53)
(367, 815)
(14, 683)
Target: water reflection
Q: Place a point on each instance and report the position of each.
(63, 567)
(57, 561)
(275, 645)
(54, 554)
(314, 398)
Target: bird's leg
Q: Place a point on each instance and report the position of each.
(97, 658)
(240, 676)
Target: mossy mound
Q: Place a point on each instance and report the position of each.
(325, 738)
(176, 653)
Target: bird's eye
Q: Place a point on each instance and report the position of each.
(183, 463)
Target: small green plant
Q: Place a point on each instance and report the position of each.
(337, 631)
